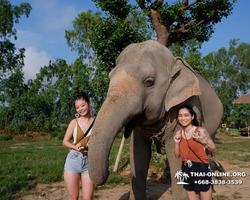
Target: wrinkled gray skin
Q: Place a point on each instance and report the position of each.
(146, 87)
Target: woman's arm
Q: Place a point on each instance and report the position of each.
(68, 136)
(177, 139)
(205, 139)
(177, 151)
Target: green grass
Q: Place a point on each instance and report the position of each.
(27, 162)
(23, 164)
(233, 150)
(237, 195)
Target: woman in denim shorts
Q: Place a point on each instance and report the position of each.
(76, 163)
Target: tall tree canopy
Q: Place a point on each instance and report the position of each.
(228, 71)
(124, 23)
(176, 22)
(190, 52)
(100, 40)
(11, 59)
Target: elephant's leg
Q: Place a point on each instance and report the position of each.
(178, 192)
(140, 154)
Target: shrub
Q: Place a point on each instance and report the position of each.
(5, 137)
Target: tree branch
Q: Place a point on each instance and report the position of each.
(183, 30)
(196, 24)
(141, 5)
(184, 2)
(176, 38)
(160, 1)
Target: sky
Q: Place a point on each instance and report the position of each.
(42, 34)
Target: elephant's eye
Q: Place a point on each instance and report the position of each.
(149, 82)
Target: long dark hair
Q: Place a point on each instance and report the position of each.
(191, 111)
(81, 95)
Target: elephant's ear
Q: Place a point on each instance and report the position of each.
(183, 84)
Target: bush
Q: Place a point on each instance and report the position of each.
(5, 137)
(60, 136)
(53, 134)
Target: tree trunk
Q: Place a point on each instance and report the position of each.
(161, 30)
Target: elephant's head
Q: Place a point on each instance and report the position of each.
(146, 82)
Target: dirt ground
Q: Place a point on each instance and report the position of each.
(157, 189)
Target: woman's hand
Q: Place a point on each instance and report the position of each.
(78, 147)
(81, 148)
(201, 137)
(177, 137)
(204, 138)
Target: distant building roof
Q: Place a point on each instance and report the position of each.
(245, 98)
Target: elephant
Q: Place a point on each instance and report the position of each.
(146, 87)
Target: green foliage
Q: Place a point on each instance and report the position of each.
(78, 38)
(228, 71)
(5, 137)
(240, 115)
(158, 160)
(112, 38)
(106, 37)
(116, 8)
(176, 22)
(109, 37)
(11, 59)
(193, 21)
(29, 135)
(60, 136)
(9, 15)
(190, 53)
(46, 101)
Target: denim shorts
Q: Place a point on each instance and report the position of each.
(76, 162)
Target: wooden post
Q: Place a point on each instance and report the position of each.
(119, 154)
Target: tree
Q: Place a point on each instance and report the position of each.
(190, 53)
(176, 22)
(228, 71)
(111, 35)
(240, 115)
(11, 59)
(78, 38)
(106, 37)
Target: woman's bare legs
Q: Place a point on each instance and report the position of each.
(196, 196)
(207, 195)
(87, 187)
(192, 195)
(72, 183)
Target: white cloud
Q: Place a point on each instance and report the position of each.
(61, 18)
(33, 61)
(54, 15)
(27, 39)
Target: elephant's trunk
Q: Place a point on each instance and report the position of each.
(118, 109)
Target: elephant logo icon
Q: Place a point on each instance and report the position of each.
(181, 176)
